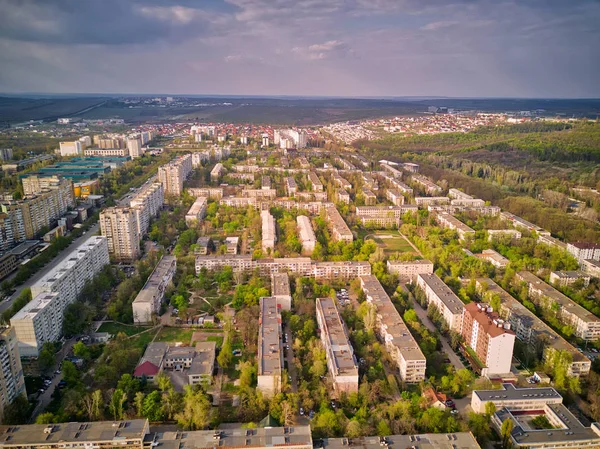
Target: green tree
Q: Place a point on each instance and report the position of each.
(117, 402)
(47, 357)
(505, 433)
(152, 408)
(46, 418)
(82, 350)
(196, 410)
(225, 357)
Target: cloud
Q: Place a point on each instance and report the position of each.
(361, 47)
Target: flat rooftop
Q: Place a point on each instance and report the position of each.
(35, 306)
(391, 319)
(163, 272)
(335, 333)
(81, 433)
(234, 436)
(280, 284)
(511, 393)
(444, 293)
(337, 221)
(394, 263)
(531, 321)
(550, 292)
(269, 338)
(458, 440)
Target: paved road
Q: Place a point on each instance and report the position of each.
(422, 314)
(45, 398)
(37, 276)
(289, 355)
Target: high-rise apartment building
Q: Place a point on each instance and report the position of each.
(173, 174)
(74, 148)
(6, 154)
(41, 320)
(120, 227)
(12, 382)
(146, 204)
(341, 361)
(134, 147)
(490, 337)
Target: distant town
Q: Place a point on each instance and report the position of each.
(190, 284)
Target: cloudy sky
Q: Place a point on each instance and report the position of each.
(517, 48)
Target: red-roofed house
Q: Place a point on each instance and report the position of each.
(148, 370)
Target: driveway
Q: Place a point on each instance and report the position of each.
(289, 356)
(422, 314)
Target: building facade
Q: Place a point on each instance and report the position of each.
(120, 227)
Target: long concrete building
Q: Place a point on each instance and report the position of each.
(306, 234)
(173, 174)
(451, 222)
(146, 204)
(269, 233)
(585, 324)
(147, 303)
(41, 320)
(270, 351)
(529, 328)
(197, 212)
(392, 330)
(341, 361)
(339, 229)
(383, 216)
(280, 290)
(408, 270)
(443, 298)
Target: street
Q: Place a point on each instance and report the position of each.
(37, 276)
(289, 356)
(45, 398)
(422, 314)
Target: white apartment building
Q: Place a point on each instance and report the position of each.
(521, 399)
(383, 216)
(315, 182)
(427, 184)
(584, 251)
(456, 194)
(12, 382)
(342, 183)
(306, 234)
(197, 212)
(291, 187)
(498, 233)
(200, 157)
(217, 171)
(238, 262)
(269, 236)
(41, 319)
(443, 298)
(343, 196)
(339, 228)
(585, 324)
(408, 271)
(147, 303)
(394, 333)
(346, 270)
(74, 148)
(494, 257)
(106, 152)
(451, 222)
(215, 193)
(490, 337)
(146, 204)
(529, 328)
(551, 241)
(173, 174)
(370, 197)
(341, 361)
(134, 147)
(566, 278)
(424, 201)
(120, 227)
(270, 351)
(592, 267)
(395, 197)
(280, 290)
(290, 138)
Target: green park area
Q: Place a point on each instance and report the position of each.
(391, 241)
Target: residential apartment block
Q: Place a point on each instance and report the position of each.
(494, 234)
(269, 233)
(173, 174)
(585, 324)
(315, 182)
(529, 328)
(424, 201)
(339, 229)
(494, 257)
(270, 351)
(584, 251)
(197, 212)
(449, 221)
(369, 197)
(41, 319)
(217, 171)
(591, 267)
(147, 303)
(443, 298)
(490, 337)
(12, 382)
(427, 184)
(394, 333)
(215, 193)
(521, 223)
(291, 187)
(408, 271)
(383, 216)
(341, 361)
(146, 204)
(280, 290)
(567, 278)
(120, 227)
(395, 197)
(74, 148)
(306, 234)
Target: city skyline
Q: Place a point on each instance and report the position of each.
(301, 48)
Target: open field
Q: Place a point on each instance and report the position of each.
(392, 242)
(175, 334)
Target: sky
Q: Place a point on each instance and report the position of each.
(352, 48)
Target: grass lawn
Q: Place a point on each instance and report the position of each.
(175, 334)
(218, 340)
(392, 242)
(115, 328)
(142, 340)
